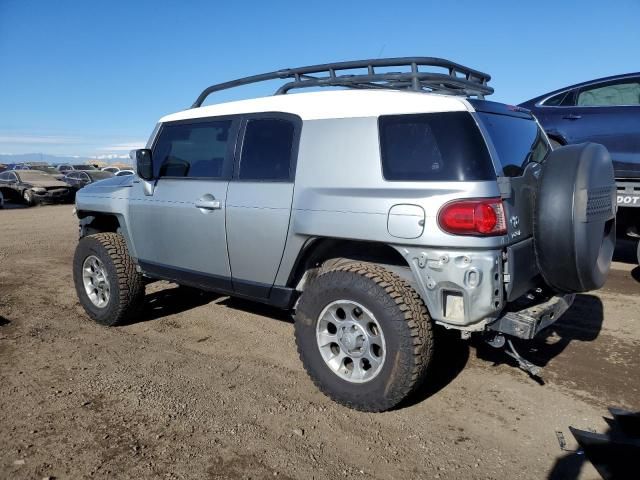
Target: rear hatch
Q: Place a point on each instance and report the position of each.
(518, 146)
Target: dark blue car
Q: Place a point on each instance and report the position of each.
(605, 111)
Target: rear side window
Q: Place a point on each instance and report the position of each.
(623, 93)
(433, 147)
(517, 141)
(267, 150)
(194, 150)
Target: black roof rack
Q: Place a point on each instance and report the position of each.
(458, 79)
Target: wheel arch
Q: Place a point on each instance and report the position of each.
(92, 222)
(318, 251)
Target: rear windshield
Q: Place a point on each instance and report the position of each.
(517, 141)
(445, 146)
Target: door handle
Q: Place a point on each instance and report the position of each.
(572, 116)
(209, 203)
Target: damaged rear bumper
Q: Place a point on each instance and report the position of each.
(527, 322)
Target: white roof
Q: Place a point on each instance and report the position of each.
(333, 104)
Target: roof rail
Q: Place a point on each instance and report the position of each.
(458, 79)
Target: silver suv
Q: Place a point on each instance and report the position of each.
(377, 213)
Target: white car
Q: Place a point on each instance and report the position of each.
(113, 170)
(122, 173)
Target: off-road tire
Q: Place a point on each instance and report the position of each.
(27, 197)
(126, 284)
(406, 326)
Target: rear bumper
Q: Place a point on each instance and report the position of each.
(529, 320)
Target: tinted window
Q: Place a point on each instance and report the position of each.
(64, 168)
(623, 93)
(195, 150)
(266, 150)
(517, 141)
(4, 176)
(433, 146)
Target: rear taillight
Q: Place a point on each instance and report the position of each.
(473, 217)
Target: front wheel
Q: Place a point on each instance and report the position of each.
(109, 288)
(364, 336)
(28, 198)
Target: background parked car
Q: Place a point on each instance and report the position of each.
(33, 186)
(606, 111)
(66, 167)
(79, 179)
(48, 169)
(17, 166)
(1, 200)
(113, 170)
(122, 173)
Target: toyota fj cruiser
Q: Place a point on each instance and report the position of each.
(373, 212)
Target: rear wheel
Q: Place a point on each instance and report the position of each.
(364, 336)
(107, 283)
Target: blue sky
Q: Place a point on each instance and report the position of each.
(92, 78)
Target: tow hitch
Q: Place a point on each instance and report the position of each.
(499, 341)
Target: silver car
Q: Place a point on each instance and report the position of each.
(377, 213)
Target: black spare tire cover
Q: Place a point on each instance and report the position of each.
(574, 219)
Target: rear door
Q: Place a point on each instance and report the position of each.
(259, 200)
(610, 114)
(520, 146)
(179, 227)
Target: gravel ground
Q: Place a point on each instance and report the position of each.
(204, 386)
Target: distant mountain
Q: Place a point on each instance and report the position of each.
(54, 159)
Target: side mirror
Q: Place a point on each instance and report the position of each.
(143, 162)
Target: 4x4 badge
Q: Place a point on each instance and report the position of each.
(515, 221)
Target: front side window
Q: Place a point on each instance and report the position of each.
(267, 150)
(517, 141)
(623, 93)
(194, 150)
(433, 147)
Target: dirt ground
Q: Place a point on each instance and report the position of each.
(210, 387)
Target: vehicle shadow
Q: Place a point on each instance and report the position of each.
(178, 299)
(450, 356)
(257, 308)
(581, 323)
(626, 251)
(567, 467)
(171, 301)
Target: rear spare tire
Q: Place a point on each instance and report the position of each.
(574, 219)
